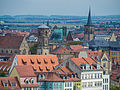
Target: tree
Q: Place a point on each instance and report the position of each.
(33, 49)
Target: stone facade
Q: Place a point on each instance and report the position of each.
(43, 38)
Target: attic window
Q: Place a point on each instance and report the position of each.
(52, 61)
(5, 84)
(38, 61)
(24, 62)
(32, 81)
(45, 61)
(13, 84)
(40, 69)
(31, 61)
(34, 69)
(27, 81)
(47, 69)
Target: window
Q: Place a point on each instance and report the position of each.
(104, 64)
(34, 88)
(27, 81)
(43, 76)
(39, 76)
(5, 84)
(13, 84)
(32, 81)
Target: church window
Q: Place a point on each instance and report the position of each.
(45, 33)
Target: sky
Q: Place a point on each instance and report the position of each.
(59, 7)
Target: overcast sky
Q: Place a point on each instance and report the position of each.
(59, 7)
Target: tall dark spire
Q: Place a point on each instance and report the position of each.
(89, 22)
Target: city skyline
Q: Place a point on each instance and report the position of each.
(59, 7)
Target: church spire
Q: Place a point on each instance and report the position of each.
(89, 22)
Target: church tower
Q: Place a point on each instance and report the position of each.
(43, 38)
(89, 29)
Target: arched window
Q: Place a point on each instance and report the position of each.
(45, 33)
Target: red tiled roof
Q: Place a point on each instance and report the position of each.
(25, 71)
(13, 42)
(9, 80)
(95, 54)
(6, 65)
(40, 63)
(88, 60)
(76, 47)
(52, 76)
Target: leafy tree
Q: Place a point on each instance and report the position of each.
(115, 88)
(33, 49)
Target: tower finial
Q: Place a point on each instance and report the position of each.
(89, 22)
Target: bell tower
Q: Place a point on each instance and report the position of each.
(89, 29)
(43, 38)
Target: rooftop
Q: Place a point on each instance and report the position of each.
(39, 63)
(9, 81)
(25, 70)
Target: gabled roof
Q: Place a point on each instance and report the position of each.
(50, 76)
(6, 65)
(9, 80)
(40, 63)
(95, 55)
(12, 42)
(79, 61)
(25, 70)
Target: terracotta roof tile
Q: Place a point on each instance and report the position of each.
(9, 80)
(88, 60)
(13, 42)
(40, 63)
(25, 71)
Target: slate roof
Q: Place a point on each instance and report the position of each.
(99, 42)
(11, 42)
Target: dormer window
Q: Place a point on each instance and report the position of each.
(32, 81)
(34, 69)
(71, 75)
(45, 61)
(76, 75)
(40, 76)
(31, 61)
(47, 69)
(43, 76)
(13, 84)
(5, 84)
(40, 69)
(52, 61)
(67, 77)
(24, 62)
(63, 77)
(38, 61)
(27, 81)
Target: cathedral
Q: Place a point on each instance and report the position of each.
(88, 29)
